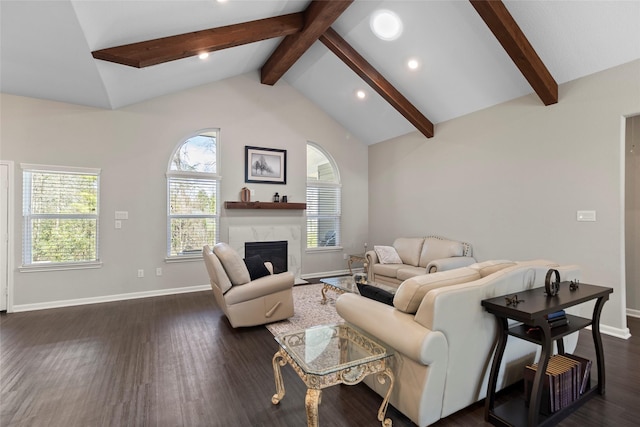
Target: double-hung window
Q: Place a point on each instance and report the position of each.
(60, 216)
(323, 199)
(192, 195)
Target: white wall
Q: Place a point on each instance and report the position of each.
(132, 146)
(632, 214)
(509, 179)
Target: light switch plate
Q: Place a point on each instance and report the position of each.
(586, 216)
(122, 215)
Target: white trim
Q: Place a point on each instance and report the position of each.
(66, 169)
(633, 313)
(59, 266)
(622, 229)
(109, 298)
(623, 333)
(11, 237)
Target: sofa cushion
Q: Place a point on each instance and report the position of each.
(387, 255)
(387, 270)
(256, 267)
(434, 248)
(409, 249)
(233, 264)
(409, 271)
(489, 267)
(411, 291)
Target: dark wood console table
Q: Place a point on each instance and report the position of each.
(531, 311)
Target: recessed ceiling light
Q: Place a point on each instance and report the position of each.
(204, 55)
(361, 94)
(413, 64)
(385, 24)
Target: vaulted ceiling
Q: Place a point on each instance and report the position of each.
(469, 58)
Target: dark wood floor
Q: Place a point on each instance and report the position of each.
(175, 361)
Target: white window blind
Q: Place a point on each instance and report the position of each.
(60, 215)
(323, 215)
(193, 221)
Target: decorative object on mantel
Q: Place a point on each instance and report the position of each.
(284, 199)
(264, 205)
(276, 198)
(245, 194)
(265, 165)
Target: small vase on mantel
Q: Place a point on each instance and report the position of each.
(245, 194)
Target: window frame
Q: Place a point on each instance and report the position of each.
(28, 217)
(215, 177)
(325, 184)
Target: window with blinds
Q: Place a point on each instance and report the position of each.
(323, 199)
(192, 187)
(60, 215)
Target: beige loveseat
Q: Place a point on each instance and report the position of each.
(444, 339)
(419, 255)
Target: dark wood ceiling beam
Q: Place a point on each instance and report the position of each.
(361, 67)
(319, 16)
(165, 49)
(515, 43)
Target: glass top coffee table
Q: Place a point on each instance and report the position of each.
(344, 284)
(327, 355)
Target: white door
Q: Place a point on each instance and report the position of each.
(4, 234)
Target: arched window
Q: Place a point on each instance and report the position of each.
(192, 195)
(323, 199)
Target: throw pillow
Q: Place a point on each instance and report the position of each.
(256, 267)
(387, 255)
(375, 293)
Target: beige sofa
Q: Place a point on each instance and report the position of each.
(419, 255)
(444, 339)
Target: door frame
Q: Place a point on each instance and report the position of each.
(8, 264)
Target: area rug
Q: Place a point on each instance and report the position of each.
(307, 310)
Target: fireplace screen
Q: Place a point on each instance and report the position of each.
(275, 252)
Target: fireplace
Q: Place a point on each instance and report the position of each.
(275, 252)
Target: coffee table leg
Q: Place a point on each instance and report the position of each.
(386, 422)
(324, 294)
(311, 402)
(278, 361)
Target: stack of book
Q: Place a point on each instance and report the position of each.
(567, 377)
(559, 318)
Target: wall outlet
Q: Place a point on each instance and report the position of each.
(141, 273)
(158, 271)
(118, 224)
(345, 256)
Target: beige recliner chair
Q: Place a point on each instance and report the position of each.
(247, 302)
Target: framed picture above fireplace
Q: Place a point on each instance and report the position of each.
(265, 165)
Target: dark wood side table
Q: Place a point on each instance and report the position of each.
(534, 305)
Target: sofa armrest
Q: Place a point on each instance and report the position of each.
(449, 263)
(371, 258)
(394, 328)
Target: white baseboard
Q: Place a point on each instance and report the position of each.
(615, 332)
(625, 334)
(633, 313)
(108, 298)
